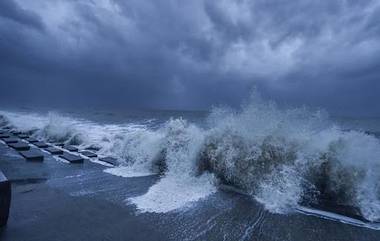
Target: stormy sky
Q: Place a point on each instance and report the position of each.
(190, 54)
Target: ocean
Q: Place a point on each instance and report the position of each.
(285, 160)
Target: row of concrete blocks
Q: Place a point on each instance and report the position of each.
(14, 140)
(36, 155)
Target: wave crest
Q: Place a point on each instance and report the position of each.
(281, 157)
(61, 129)
(287, 157)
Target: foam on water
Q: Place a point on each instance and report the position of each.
(127, 172)
(180, 186)
(174, 193)
(110, 139)
(281, 157)
(172, 150)
(285, 157)
(337, 217)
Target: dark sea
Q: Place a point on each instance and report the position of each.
(257, 173)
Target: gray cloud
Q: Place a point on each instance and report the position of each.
(11, 10)
(190, 54)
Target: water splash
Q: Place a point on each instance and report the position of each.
(283, 158)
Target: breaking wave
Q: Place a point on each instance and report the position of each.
(283, 158)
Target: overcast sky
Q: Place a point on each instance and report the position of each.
(190, 54)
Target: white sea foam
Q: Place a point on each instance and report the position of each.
(126, 171)
(180, 186)
(174, 193)
(278, 156)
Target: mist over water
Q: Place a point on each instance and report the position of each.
(282, 158)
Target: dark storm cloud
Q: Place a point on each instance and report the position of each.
(11, 10)
(190, 54)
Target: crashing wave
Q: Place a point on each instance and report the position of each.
(60, 129)
(3, 121)
(283, 158)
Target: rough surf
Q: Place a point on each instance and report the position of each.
(287, 159)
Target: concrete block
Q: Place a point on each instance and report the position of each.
(15, 132)
(71, 158)
(31, 140)
(19, 146)
(11, 140)
(23, 136)
(88, 154)
(5, 199)
(40, 144)
(54, 150)
(93, 148)
(109, 160)
(4, 135)
(32, 155)
(71, 148)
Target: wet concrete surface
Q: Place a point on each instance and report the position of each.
(56, 200)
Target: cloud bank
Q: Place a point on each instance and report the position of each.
(190, 54)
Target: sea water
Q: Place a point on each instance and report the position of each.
(283, 158)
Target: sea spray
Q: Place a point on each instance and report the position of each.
(61, 129)
(181, 183)
(283, 158)
(279, 157)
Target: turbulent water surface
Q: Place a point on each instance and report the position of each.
(286, 159)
